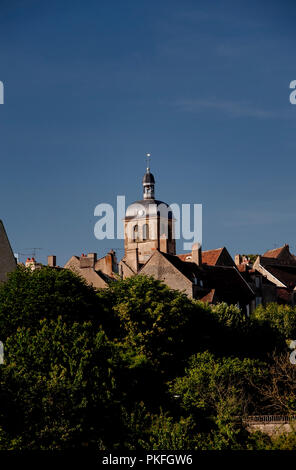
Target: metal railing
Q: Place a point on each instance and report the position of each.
(270, 419)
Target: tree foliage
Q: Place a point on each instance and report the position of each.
(281, 318)
(155, 322)
(218, 386)
(136, 366)
(58, 387)
(29, 296)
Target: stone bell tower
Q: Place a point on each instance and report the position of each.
(148, 225)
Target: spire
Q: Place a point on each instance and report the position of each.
(148, 156)
(148, 181)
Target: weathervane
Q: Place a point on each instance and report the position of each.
(148, 155)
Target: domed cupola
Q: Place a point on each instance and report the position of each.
(148, 178)
(148, 183)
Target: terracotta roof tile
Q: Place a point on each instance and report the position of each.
(209, 296)
(242, 267)
(209, 257)
(274, 253)
(283, 295)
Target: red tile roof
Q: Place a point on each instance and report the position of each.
(209, 257)
(209, 296)
(283, 295)
(242, 267)
(274, 253)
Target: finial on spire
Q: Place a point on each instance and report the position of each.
(148, 156)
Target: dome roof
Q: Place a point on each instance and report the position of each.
(148, 177)
(148, 207)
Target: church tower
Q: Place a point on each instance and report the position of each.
(148, 225)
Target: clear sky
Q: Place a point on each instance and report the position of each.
(91, 86)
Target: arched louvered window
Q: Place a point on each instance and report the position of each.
(135, 232)
(145, 232)
(164, 229)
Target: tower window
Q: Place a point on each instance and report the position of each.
(164, 229)
(135, 232)
(145, 231)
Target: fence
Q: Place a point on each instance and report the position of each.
(270, 419)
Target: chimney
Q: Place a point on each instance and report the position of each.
(163, 243)
(52, 261)
(86, 261)
(197, 254)
(93, 257)
(133, 259)
(114, 261)
(110, 263)
(238, 259)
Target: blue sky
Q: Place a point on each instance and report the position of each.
(91, 86)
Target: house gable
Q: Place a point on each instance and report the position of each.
(88, 273)
(160, 267)
(7, 259)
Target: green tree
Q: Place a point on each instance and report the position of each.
(160, 431)
(155, 322)
(29, 296)
(278, 392)
(59, 389)
(216, 393)
(158, 329)
(235, 333)
(218, 388)
(282, 318)
(251, 257)
(231, 316)
(165, 433)
(106, 369)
